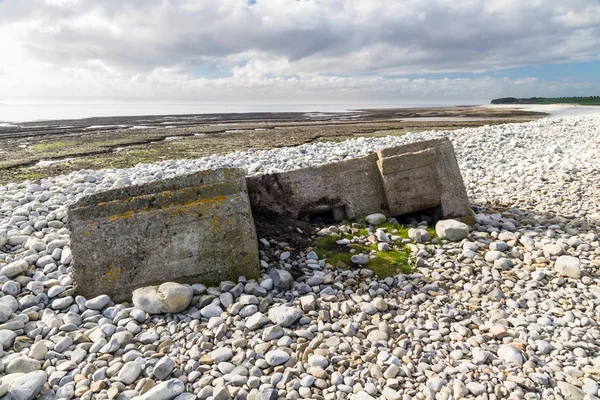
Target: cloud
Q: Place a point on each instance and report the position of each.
(153, 47)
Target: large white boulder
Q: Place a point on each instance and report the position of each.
(568, 266)
(376, 219)
(170, 297)
(451, 229)
(27, 387)
(284, 315)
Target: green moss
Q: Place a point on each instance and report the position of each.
(391, 263)
(324, 243)
(432, 232)
(42, 147)
(468, 219)
(401, 230)
(334, 258)
(360, 248)
(385, 264)
(361, 232)
(28, 175)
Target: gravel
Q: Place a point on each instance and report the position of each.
(505, 309)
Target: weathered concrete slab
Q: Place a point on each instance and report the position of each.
(349, 189)
(193, 228)
(455, 201)
(421, 176)
(430, 178)
(410, 181)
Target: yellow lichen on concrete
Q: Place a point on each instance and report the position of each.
(219, 224)
(112, 276)
(195, 208)
(124, 216)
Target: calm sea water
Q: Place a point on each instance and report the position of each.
(39, 112)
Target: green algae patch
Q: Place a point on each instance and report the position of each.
(391, 263)
(48, 146)
(384, 264)
(336, 259)
(29, 176)
(324, 245)
(394, 229)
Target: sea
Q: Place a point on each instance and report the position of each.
(25, 112)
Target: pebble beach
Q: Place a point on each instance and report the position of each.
(507, 309)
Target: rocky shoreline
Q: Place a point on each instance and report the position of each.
(508, 309)
(35, 150)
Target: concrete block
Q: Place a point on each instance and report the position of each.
(188, 229)
(348, 189)
(424, 175)
(421, 176)
(455, 201)
(410, 181)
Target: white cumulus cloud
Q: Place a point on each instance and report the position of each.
(276, 49)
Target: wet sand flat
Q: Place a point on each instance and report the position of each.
(34, 150)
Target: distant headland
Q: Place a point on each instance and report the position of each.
(588, 101)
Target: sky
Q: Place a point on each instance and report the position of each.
(297, 51)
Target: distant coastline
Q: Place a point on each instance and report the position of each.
(586, 101)
(24, 112)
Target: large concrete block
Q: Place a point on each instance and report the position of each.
(410, 181)
(417, 177)
(347, 189)
(193, 228)
(424, 175)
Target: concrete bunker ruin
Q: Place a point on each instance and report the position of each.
(421, 176)
(200, 228)
(189, 229)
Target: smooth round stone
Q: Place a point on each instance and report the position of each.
(267, 284)
(15, 268)
(23, 365)
(375, 219)
(211, 311)
(98, 302)
(383, 247)
(11, 288)
(492, 256)
(568, 266)
(510, 354)
(276, 357)
(221, 354)
(307, 381)
(498, 246)
(538, 275)
(164, 391)
(38, 351)
(28, 386)
(129, 372)
(476, 388)
(315, 360)
(360, 259)
(256, 321)
(7, 338)
(138, 315)
(62, 302)
(63, 344)
(284, 315)
(163, 368)
(170, 297)
(436, 384)
(248, 311)
(5, 313)
(552, 249)
(452, 230)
